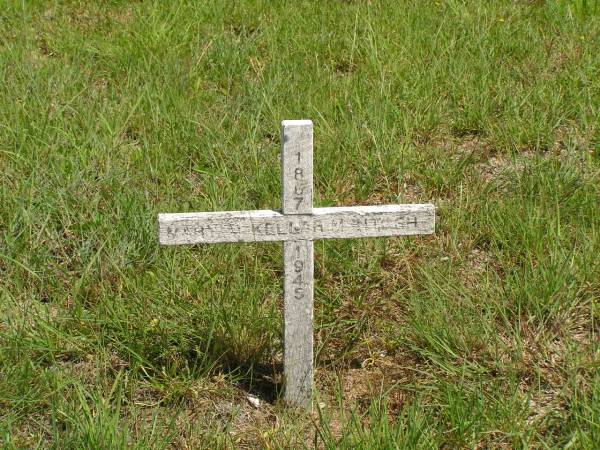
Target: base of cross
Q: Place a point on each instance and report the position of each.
(298, 224)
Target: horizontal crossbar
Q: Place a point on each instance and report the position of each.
(269, 225)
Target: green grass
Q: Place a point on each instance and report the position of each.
(484, 335)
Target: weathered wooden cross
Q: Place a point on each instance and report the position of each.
(297, 225)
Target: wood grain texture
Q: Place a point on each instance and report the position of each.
(296, 166)
(298, 224)
(298, 322)
(296, 203)
(269, 225)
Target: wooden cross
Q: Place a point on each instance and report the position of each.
(298, 224)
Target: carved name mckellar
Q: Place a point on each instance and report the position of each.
(323, 223)
(297, 227)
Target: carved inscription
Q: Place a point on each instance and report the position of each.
(293, 227)
(298, 280)
(297, 166)
(297, 229)
(323, 223)
(298, 316)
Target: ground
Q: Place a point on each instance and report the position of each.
(484, 335)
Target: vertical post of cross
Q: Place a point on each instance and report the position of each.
(297, 185)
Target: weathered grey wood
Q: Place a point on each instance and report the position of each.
(298, 322)
(297, 225)
(296, 166)
(297, 182)
(269, 225)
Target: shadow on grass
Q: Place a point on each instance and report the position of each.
(262, 380)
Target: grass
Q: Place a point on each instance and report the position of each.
(484, 335)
